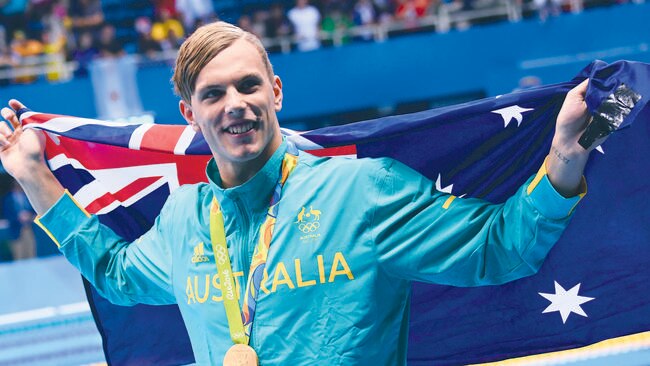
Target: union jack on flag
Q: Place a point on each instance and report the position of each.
(593, 285)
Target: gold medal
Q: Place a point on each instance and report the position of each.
(240, 355)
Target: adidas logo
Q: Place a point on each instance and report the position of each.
(199, 255)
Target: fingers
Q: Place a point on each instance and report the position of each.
(9, 115)
(5, 134)
(580, 90)
(16, 104)
(581, 93)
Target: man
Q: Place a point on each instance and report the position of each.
(305, 19)
(19, 214)
(330, 258)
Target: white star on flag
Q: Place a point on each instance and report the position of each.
(439, 187)
(510, 113)
(600, 149)
(566, 302)
(446, 189)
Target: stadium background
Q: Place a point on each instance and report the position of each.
(487, 51)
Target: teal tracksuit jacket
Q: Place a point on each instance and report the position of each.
(351, 235)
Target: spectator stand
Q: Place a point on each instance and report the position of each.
(439, 16)
(122, 14)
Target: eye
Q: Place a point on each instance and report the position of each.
(212, 94)
(249, 85)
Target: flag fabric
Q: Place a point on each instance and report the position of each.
(594, 285)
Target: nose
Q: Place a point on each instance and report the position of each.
(234, 106)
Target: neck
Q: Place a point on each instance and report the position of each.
(234, 174)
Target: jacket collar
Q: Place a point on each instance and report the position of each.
(255, 194)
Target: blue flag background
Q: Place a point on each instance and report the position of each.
(483, 149)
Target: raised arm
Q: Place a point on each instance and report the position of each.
(125, 273)
(567, 159)
(21, 152)
(424, 235)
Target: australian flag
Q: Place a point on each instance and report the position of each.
(594, 285)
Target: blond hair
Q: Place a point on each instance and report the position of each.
(201, 47)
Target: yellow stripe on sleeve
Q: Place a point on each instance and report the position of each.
(448, 202)
(538, 178)
(37, 221)
(583, 192)
(61, 200)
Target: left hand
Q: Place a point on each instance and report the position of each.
(567, 158)
(572, 122)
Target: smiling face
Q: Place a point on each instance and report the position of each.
(234, 105)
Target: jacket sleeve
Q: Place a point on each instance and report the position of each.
(122, 272)
(426, 235)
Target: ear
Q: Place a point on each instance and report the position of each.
(277, 93)
(186, 112)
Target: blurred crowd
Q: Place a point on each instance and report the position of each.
(41, 37)
(50, 32)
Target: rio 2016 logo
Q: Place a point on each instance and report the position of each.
(308, 221)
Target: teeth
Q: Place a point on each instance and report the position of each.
(239, 129)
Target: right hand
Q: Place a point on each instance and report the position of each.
(21, 150)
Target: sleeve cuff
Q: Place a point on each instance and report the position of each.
(549, 202)
(62, 218)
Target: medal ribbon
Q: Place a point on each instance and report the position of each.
(240, 321)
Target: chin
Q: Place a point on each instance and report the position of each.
(246, 154)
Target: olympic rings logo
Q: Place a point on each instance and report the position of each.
(221, 254)
(309, 227)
